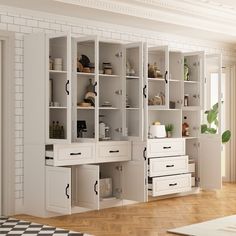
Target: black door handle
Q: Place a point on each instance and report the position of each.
(171, 185)
(75, 153)
(94, 87)
(144, 153)
(67, 187)
(166, 77)
(115, 151)
(66, 87)
(144, 91)
(95, 187)
(169, 147)
(168, 166)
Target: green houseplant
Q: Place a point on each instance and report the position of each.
(212, 124)
(169, 129)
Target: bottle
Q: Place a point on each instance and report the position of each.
(186, 70)
(53, 129)
(62, 132)
(57, 130)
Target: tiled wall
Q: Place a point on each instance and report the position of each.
(24, 22)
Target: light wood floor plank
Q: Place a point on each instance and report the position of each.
(149, 219)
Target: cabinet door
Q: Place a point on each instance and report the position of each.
(58, 88)
(133, 87)
(58, 189)
(158, 77)
(84, 80)
(87, 186)
(134, 181)
(210, 139)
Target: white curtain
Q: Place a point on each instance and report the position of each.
(232, 124)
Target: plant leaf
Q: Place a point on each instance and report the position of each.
(215, 107)
(226, 136)
(211, 130)
(203, 128)
(211, 116)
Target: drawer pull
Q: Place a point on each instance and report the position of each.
(169, 166)
(171, 185)
(95, 187)
(115, 151)
(144, 153)
(169, 147)
(67, 195)
(75, 153)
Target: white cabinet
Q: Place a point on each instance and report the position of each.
(95, 101)
(58, 189)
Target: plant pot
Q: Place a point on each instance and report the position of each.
(169, 134)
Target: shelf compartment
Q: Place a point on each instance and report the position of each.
(192, 118)
(194, 67)
(167, 117)
(133, 122)
(176, 94)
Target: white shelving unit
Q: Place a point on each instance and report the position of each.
(106, 85)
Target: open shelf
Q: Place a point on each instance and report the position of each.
(156, 79)
(109, 108)
(58, 71)
(108, 76)
(131, 77)
(85, 74)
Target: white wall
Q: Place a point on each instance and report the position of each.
(24, 22)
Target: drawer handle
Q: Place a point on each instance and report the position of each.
(75, 153)
(115, 151)
(169, 166)
(171, 185)
(67, 187)
(95, 187)
(169, 147)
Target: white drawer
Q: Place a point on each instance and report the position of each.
(168, 165)
(166, 147)
(114, 151)
(170, 184)
(73, 154)
(191, 167)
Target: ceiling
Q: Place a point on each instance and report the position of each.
(205, 19)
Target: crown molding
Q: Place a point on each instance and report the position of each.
(202, 14)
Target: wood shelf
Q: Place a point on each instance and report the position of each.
(57, 107)
(85, 108)
(85, 74)
(58, 71)
(109, 76)
(109, 108)
(156, 79)
(191, 82)
(131, 77)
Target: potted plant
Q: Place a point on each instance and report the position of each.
(212, 124)
(169, 130)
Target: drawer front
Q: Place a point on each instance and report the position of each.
(168, 166)
(114, 151)
(74, 154)
(166, 147)
(171, 184)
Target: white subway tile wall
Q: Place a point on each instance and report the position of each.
(25, 21)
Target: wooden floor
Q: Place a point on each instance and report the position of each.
(152, 218)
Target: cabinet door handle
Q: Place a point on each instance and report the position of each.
(67, 187)
(94, 86)
(75, 153)
(171, 185)
(169, 166)
(169, 147)
(144, 153)
(66, 87)
(95, 187)
(144, 91)
(166, 77)
(115, 151)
